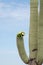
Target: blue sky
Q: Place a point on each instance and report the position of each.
(14, 17)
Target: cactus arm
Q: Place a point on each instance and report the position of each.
(20, 46)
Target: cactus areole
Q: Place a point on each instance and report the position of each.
(35, 36)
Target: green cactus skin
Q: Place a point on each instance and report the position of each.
(33, 28)
(20, 46)
(40, 35)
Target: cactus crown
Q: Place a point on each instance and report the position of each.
(20, 34)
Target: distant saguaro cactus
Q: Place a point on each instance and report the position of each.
(35, 36)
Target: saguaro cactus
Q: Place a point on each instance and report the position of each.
(40, 35)
(35, 36)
